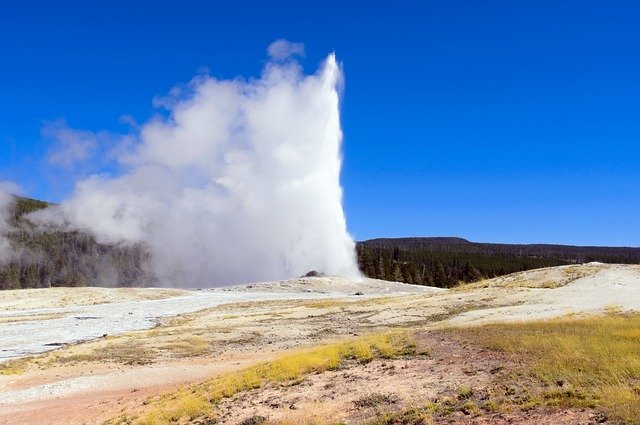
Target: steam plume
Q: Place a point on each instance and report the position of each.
(237, 182)
(6, 201)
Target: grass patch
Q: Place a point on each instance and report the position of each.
(333, 303)
(385, 300)
(376, 399)
(254, 420)
(321, 304)
(128, 352)
(187, 404)
(412, 416)
(183, 407)
(582, 361)
(189, 347)
(464, 393)
(13, 367)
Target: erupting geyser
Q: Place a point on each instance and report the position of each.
(239, 181)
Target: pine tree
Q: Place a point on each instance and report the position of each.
(381, 272)
(439, 276)
(470, 273)
(396, 275)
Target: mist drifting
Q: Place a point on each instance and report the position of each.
(238, 181)
(6, 200)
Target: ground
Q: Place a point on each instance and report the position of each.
(189, 337)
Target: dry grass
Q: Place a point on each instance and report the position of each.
(375, 399)
(582, 361)
(183, 407)
(14, 367)
(413, 416)
(324, 304)
(392, 299)
(130, 352)
(187, 404)
(191, 346)
(292, 366)
(366, 302)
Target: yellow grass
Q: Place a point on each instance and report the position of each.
(322, 304)
(198, 401)
(332, 303)
(185, 407)
(389, 300)
(191, 346)
(130, 352)
(585, 361)
(292, 366)
(13, 367)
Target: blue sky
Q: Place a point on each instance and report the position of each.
(497, 121)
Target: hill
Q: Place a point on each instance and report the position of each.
(578, 254)
(44, 257)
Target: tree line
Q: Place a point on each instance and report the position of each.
(440, 269)
(446, 262)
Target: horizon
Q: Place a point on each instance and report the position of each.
(498, 123)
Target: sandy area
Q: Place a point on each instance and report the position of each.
(188, 337)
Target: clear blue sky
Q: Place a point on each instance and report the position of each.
(499, 121)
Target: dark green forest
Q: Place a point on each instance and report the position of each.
(446, 262)
(47, 257)
(53, 257)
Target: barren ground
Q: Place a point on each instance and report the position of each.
(189, 336)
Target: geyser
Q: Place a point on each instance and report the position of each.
(238, 181)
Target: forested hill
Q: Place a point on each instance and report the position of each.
(577, 254)
(446, 261)
(53, 257)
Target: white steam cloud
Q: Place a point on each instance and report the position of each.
(73, 146)
(283, 49)
(6, 202)
(239, 181)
